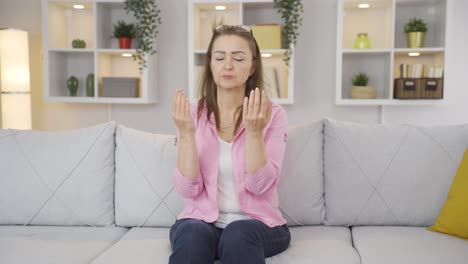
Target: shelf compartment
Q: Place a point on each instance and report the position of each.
(206, 16)
(107, 15)
(65, 64)
(376, 66)
(429, 58)
(376, 21)
(275, 75)
(433, 12)
(65, 23)
(114, 64)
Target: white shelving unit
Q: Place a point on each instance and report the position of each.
(61, 23)
(384, 22)
(201, 15)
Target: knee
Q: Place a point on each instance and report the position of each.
(237, 235)
(192, 228)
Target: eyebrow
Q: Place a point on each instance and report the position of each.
(234, 52)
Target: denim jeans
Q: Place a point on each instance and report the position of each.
(244, 241)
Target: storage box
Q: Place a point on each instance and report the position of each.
(432, 88)
(268, 36)
(120, 87)
(421, 88)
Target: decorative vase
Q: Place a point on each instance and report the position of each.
(72, 84)
(415, 39)
(363, 92)
(362, 41)
(125, 43)
(90, 85)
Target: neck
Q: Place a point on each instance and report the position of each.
(230, 99)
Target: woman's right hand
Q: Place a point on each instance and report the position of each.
(181, 113)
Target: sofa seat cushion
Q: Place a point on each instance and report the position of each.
(55, 244)
(312, 244)
(392, 244)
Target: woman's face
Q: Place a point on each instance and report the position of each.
(231, 61)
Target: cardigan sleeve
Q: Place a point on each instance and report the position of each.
(275, 145)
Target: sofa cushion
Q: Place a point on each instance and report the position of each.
(55, 245)
(301, 185)
(144, 191)
(57, 178)
(407, 245)
(389, 175)
(312, 244)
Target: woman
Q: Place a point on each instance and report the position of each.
(230, 149)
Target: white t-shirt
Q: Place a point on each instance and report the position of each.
(228, 200)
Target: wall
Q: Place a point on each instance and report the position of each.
(314, 76)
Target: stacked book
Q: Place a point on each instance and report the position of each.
(420, 71)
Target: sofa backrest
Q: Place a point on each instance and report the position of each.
(389, 175)
(145, 194)
(57, 178)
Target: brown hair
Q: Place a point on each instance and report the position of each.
(208, 89)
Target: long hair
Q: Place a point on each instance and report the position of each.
(208, 88)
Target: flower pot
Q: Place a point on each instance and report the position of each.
(72, 84)
(125, 43)
(415, 39)
(363, 92)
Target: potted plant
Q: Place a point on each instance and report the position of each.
(360, 90)
(148, 18)
(415, 30)
(291, 12)
(125, 33)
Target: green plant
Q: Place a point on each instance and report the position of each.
(291, 12)
(148, 18)
(415, 25)
(360, 79)
(124, 30)
(78, 43)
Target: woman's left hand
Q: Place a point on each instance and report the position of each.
(256, 111)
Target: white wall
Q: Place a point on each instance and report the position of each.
(314, 76)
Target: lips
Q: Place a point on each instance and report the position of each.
(227, 76)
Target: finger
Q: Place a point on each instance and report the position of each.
(263, 104)
(187, 109)
(256, 102)
(174, 99)
(179, 111)
(251, 102)
(245, 107)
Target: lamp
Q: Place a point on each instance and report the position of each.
(14, 79)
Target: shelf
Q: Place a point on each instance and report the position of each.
(360, 102)
(366, 51)
(376, 66)
(279, 77)
(384, 22)
(432, 12)
(376, 21)
(84, 99)
(101, 57)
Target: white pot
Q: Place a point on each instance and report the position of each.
(363, 92)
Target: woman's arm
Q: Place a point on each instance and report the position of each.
(264, 156)
(187, 176)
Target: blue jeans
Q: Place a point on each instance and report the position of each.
(244, 241)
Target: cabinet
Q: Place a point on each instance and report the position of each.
(92, 21)
(202, 14)
(384, 22)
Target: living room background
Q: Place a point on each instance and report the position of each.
(314, 74)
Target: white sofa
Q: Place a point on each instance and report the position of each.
(352, 193)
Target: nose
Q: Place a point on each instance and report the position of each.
(228, 64)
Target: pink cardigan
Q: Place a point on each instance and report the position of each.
(258, 195)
